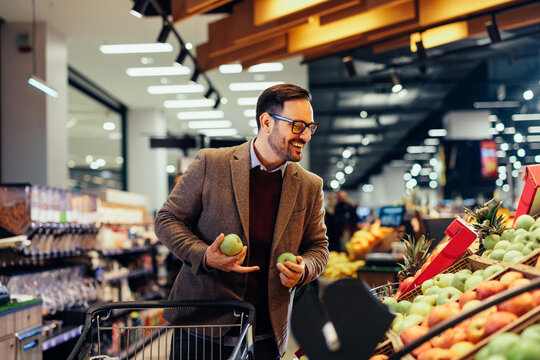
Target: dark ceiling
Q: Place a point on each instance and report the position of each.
(453, 77)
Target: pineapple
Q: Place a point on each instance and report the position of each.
(415, 254)
(486, 221)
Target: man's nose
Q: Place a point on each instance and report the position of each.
(306, 135)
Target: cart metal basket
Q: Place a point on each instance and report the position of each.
(145, 336)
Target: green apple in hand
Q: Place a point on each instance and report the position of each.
(231, 245)
(286, 256)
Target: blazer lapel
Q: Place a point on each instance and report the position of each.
(240, 179)
(291, 182)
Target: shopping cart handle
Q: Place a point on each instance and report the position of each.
(439, 328)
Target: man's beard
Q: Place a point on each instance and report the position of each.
(282, 148)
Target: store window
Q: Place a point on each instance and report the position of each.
(95, 139)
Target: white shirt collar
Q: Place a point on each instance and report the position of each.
(256, 162)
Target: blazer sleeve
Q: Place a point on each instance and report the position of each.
(314, 246)
(174, 220)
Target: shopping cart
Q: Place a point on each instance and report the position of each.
(145, 336)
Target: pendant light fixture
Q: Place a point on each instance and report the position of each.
(34, 80)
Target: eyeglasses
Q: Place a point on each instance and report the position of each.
(298, 126)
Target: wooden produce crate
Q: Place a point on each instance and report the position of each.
(531, 259)
(472, 262)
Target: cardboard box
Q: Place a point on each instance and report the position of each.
(529, 202)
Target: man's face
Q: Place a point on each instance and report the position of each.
(286, 145)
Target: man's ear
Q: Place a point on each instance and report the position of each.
(266, 122)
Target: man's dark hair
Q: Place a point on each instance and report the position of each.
(272, 99)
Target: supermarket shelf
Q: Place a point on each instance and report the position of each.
(61, 336)
(130, 275)
(116, 252)
(154, 296)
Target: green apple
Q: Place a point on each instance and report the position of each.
(430, 299)
(508, 234)
(459, 281)
(536, 239)
(501, 344)
(472, 282)
(409, 321)
(427, 284)
(491, 240)
(479, 272)
(418, 298)
(497, 254)
(465, 271)
(403, 306)
(390, 302)
(448, 294)
(503, 244)
(446, 280)
(532, 333)
(470, 304)
(492, 269)
(511, 256)
(528, 249)
(516, 246)
(525, 349)
(483, 354)
(486, 253)
(497, 357)
(231, 245)
(524, 222)
(286, 256)
(535, 226)
(435, 289)
(420, 308)
(524, 238)
(518, 232)
(397, 322)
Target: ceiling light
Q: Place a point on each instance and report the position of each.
(94, 166)
(521, 152)
(499, 182)
(495, 104)
(493, 31)
(363, 114)
(119, 160)
(196, 115)
(346, 153)
(499, 127)
(433, 162)
(211, 124)
(528, 94)
(247, 101)
(115, 136)
(109, 125)
(506, 187)
(252, 123)
(510, 130)
(433, 184)
(433, 176)
(189, 46)
(101, 162)
(493, 118)
(181, 57)
(518, 138)
(533, 129)
(512, 159)
(402, 93)
(334, 184)
(415, 149)
(189, 103)
(89, 159)
(537, 159)
(138, 8)
(175, 89)
(432, 142)
(411, 183)
(158, 71)
(249, 86)
(42, 85)
(397, 87)
(348, 169)
(170, 169)
(517, 165)
(348, 62)
(340, 175)
(230, 68)
(368, 188)
(533, 138)
(502, 176)
(266, 67)
(502, 169)
(525, 117)
(407, 176)
(500, 154)
(220, 132)
(250, 113)
(164, 33)
(505, 146)
(437, 132)
(223, 100)
(136, 48)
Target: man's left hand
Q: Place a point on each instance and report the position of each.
(291, 273)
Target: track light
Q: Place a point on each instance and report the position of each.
(139, 8)
(209, 92)
(164, 33)
(348, 61)
(195, 75)
(493, 31)
(181, 57)
(396, 84)
(218, 101)
(421, 50)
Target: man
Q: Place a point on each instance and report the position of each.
(257, 191)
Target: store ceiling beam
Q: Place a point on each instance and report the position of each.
(184, 9)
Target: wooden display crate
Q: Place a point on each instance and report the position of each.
(531, 259)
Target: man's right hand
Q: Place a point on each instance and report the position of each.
(215, 258)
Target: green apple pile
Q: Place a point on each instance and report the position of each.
(510, 346)
(439, 290)
(514, 244)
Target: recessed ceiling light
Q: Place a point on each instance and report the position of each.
(158, 71)
(495, 104)
(533, 138)
(220, 132)
(230, 68)
(250, 113)
(528, 94)
(211, 124)
(266, 67)
(247, 101)
(175, 89)
(195, 115)
(437, 132)
(136, 48)
(533, 129)
(251, 86)
(170, 169)
(252, 123)
(525, 117)
(109, 125)
(189, 103)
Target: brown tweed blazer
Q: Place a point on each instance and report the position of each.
(212, 198)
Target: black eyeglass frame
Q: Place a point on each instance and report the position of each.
(313, 126)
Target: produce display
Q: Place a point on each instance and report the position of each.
(339, 266)
(510, 346)
(362, 241)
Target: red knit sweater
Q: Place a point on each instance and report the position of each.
(264, 195)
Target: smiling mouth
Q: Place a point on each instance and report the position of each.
(298, 145)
